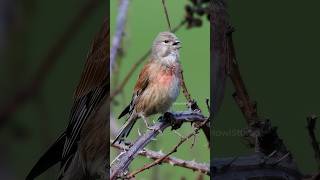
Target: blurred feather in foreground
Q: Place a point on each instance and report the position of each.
(83, 149)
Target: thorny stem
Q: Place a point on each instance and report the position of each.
(192, 165)
(160, 160)
(173, 119)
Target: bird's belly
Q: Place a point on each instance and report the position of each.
(159, 98)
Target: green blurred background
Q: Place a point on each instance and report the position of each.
(145, 20)
(276, 44)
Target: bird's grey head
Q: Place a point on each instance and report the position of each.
(165, 44)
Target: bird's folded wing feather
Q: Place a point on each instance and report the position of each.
(143, 79)
(141, 85)
(51, 157)
(92, 88)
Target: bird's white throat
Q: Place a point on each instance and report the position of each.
(170, 59)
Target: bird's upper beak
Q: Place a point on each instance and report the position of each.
(177, 44)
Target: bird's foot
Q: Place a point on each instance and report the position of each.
(151, 128)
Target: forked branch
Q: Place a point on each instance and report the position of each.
(192, 165)
(168, 119)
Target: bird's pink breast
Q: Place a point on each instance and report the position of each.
(165, 77)
(162, 90)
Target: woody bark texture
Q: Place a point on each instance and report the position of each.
(168, 119)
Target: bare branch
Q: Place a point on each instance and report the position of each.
(121, 20)
(166, 13)
(192, 165)
(192, 105)
(255, 166)
(241, 95)
(185, 91)
(159, 160)
(173, 119)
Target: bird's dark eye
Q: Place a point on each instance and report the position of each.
(166, 41)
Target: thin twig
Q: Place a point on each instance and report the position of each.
(192, 165)
(184, 88)
(48, 61)
(192, 105)
(121, 20)
(160, 160)
(173, 119)
(166, 13)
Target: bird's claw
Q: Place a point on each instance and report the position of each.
(151, 128)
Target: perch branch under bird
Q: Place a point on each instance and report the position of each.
(174, 120)
(192, 165)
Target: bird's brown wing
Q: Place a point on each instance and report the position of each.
(92, 88)
(143, 79)
(96, 69)
(141, 85)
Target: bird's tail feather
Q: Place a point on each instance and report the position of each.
(50, 158)
(125, 129)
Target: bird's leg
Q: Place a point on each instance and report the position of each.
(146, 123)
